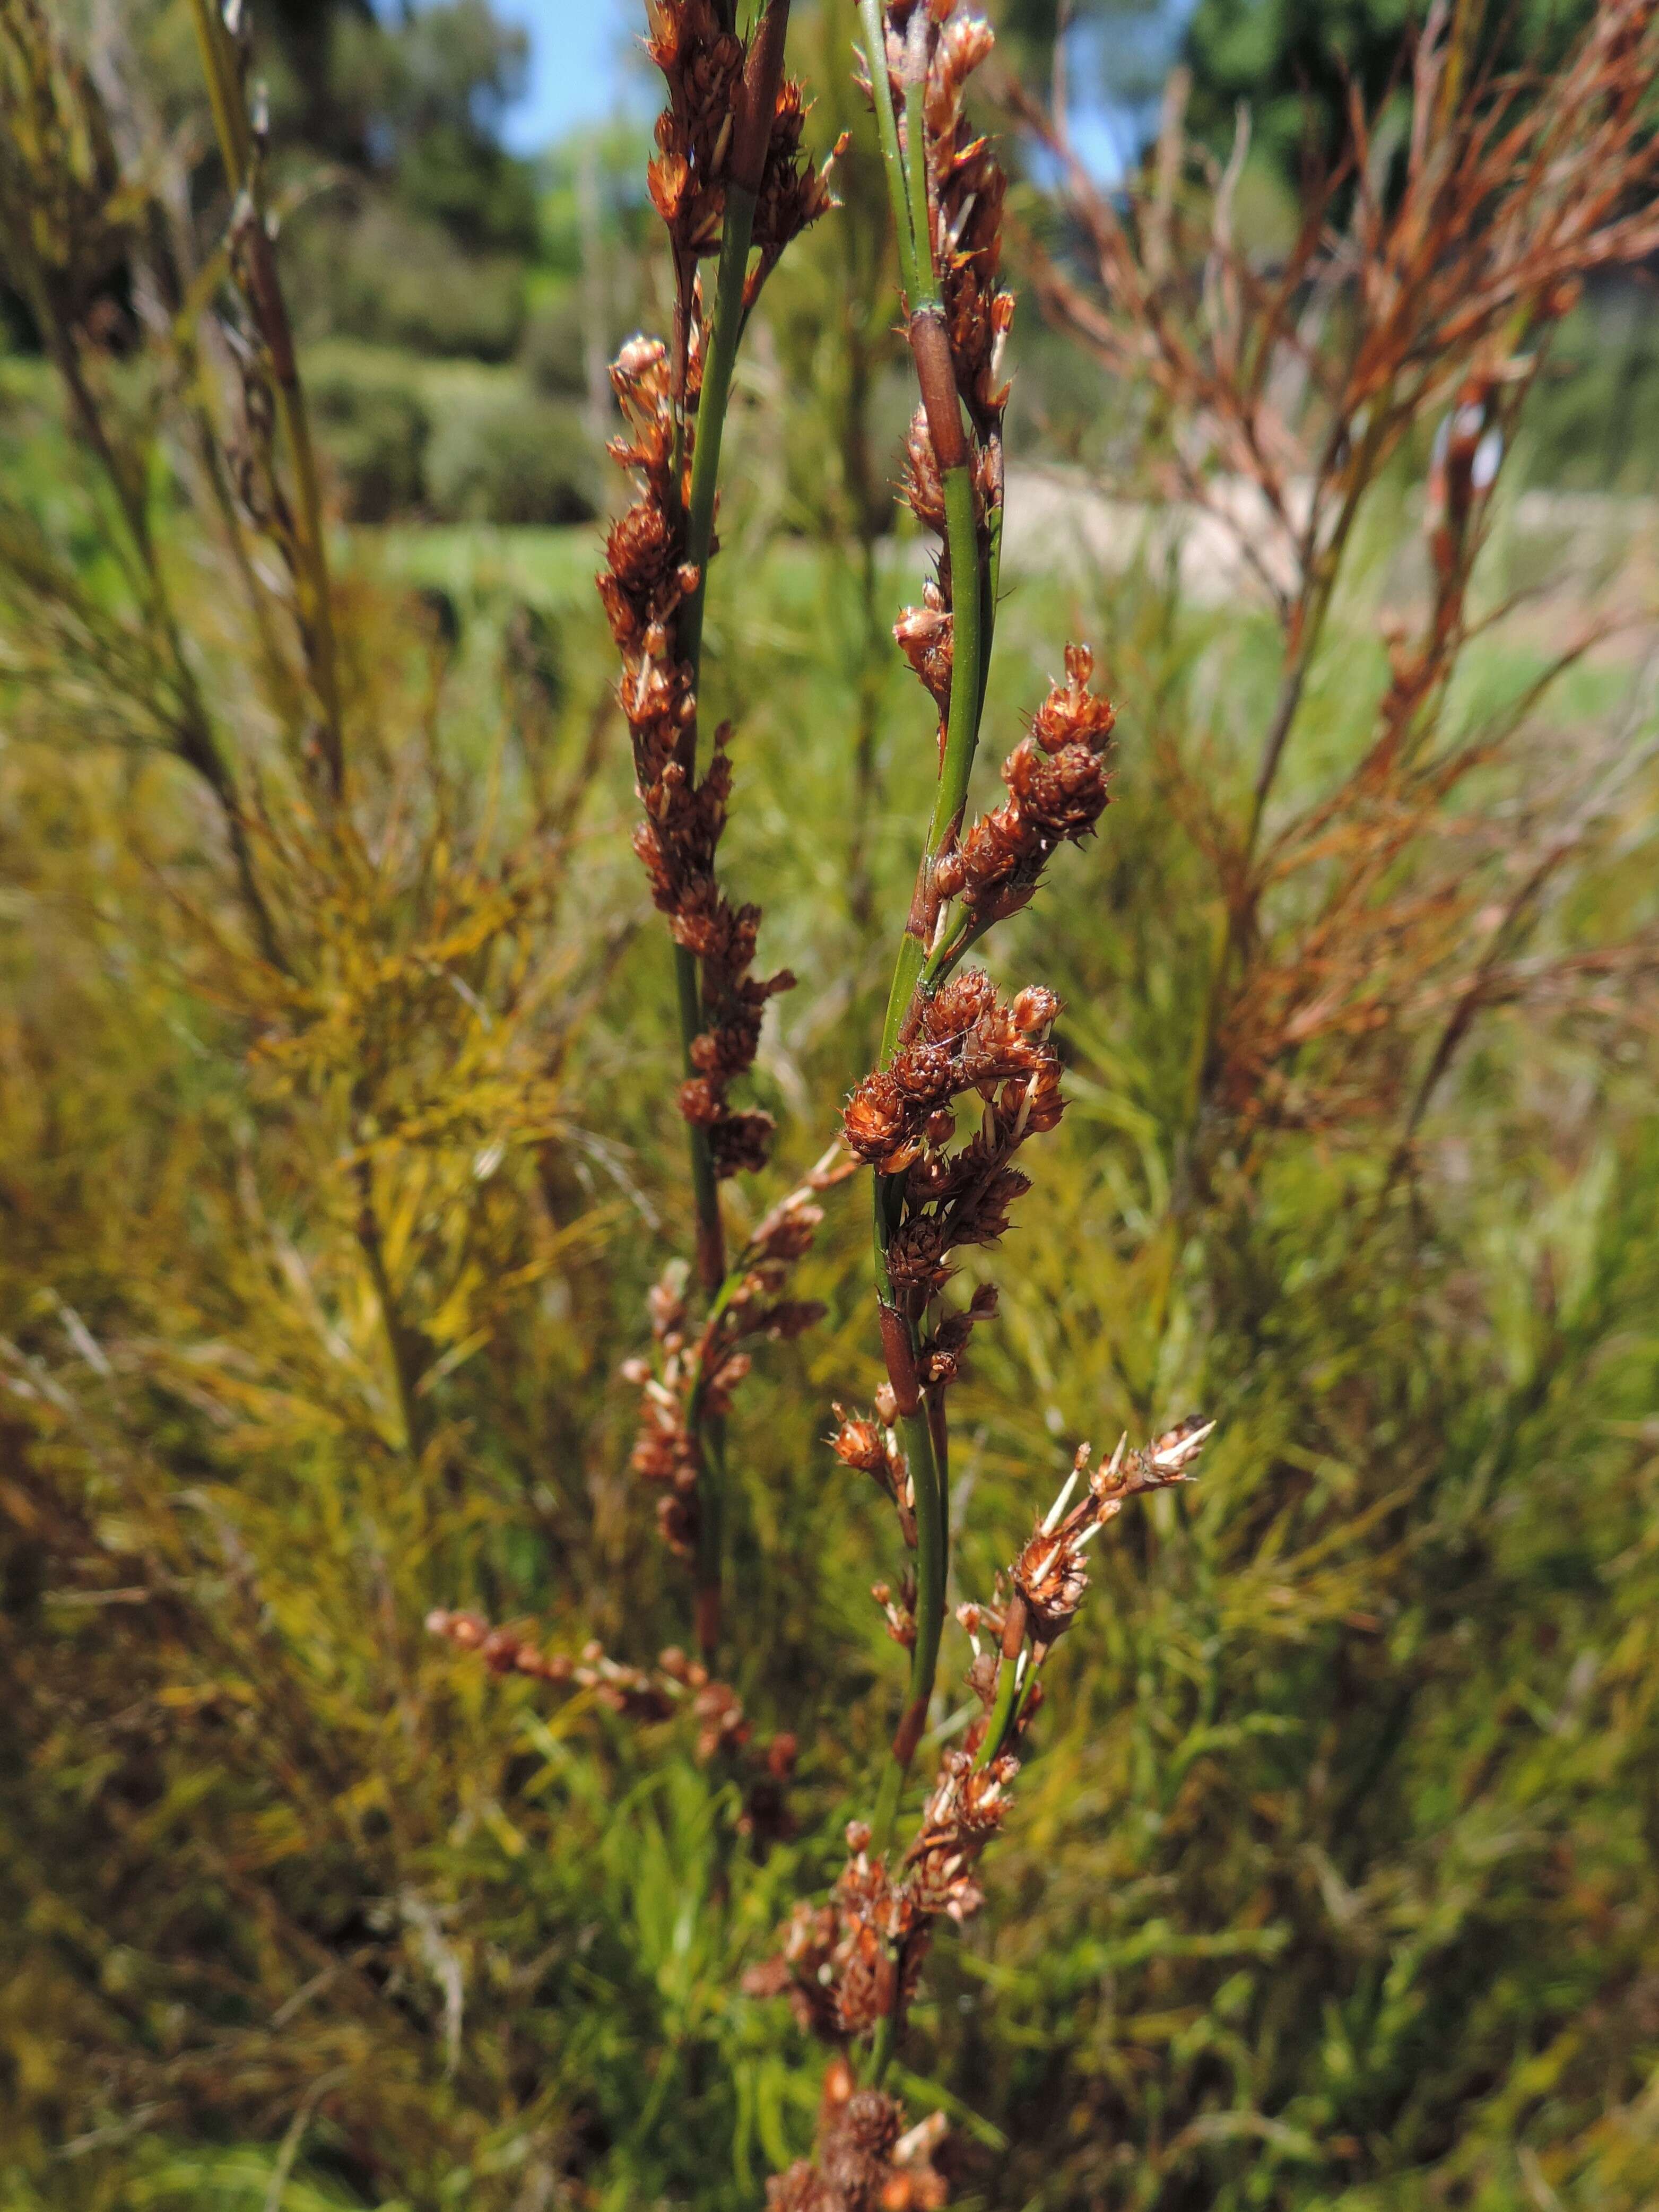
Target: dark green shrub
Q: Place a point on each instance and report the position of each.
(552, 353)
(380, 274)
(501, 454)
(374, 425)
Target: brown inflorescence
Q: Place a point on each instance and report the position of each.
(869, 1445)
(731, 124)
(645, 585)
(849, 1963)
(1056, 779)
(697, 1369)
(647, 581)
(967, 1040)
(852, 1962)
(676, 1688)
(864, 2163)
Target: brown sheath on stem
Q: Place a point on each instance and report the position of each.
(930, 344)
(761, 77)
(711, 1254)
(271, 308)
(907, 1735)
(900, 1355)
(1013, 1630)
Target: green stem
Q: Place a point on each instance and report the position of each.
(1002, 1713)
(925, 294)
(712, 403)
(961, 733)
(892, 157)
(917, 1439)
(882, 2048)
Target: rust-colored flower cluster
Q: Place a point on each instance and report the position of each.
(967, 189)
(868, 1443)
(697, 1369)
(856, 1960)
(674, 1688)
(645, 585)
(864, 2162)
(847, 1963)
(1048, 1576)
(901, 1119)
(702, 62)
(794, 192)
(729, 174)
(1056, 779)
(709, 137)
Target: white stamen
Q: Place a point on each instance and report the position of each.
(1025, 1113)
(1058, 1508)
(1176, 1456)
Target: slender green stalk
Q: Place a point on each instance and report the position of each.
(881, 92)
(883, 2046)
(931, 1565)
(925, 294)
(712, 402)
(961, 731)
(1002, 1713)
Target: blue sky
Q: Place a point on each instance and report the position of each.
(579, 66)
(584, 65)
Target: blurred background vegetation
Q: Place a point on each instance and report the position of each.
(1333, 1883)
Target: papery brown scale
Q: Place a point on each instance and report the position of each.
(924, 634)
(875, 1116)
(958, 1005)
(917, 1256)
(924, 486)
(923, 1072)
(1063, 794)
(1035, 1010)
